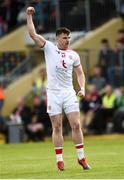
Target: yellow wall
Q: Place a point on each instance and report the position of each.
(14, 41)
(19, 88)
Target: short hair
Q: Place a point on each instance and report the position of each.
(104, 40)
(62, 30)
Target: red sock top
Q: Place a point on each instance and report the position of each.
(58, 150)
(79, 146)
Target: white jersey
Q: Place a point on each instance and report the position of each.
(59, 64)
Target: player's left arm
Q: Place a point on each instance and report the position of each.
(81, 79)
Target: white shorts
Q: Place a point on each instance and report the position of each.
(59, 101)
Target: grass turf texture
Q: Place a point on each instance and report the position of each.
(37, 160)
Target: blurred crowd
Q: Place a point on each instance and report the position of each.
(103, 107)
(48, 14)
(34, 117)
(12, 14)
(8, 15)
(9, 61)
(31, 116)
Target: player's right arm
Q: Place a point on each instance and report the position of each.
(40, 41)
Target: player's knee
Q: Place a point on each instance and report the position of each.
(57, 128)
(76, 126)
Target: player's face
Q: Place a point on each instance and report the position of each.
(63, 41)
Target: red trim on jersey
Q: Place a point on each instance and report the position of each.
(62, 49)
(77, 65)
(43, 45)
(65, 49)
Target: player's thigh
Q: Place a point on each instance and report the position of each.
(74, 119)
(71, 103)
(54, 104)
(56, 121)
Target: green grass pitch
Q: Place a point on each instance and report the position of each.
(37, 160)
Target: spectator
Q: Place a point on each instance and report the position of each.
(3, 127)
(10, 11)
(98, 79)
(39, 16)
(103, 117)
(106, 57)
(120, 34)
(119, 53)
(118, 118)
(21, 114)
(116, 73)
(89, 105)
(35, 129)
(2, 30)
(40, 85)
(119, 102)
(40, 110)
(2, 96)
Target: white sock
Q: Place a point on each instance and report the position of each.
(80, 151)
(59, 156)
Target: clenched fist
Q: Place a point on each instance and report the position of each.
(30, 10)
(81, 93)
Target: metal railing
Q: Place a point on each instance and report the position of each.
(77, 15)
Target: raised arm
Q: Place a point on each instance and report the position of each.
(40, 41)
(81, 79)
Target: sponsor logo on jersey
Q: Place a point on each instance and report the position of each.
(64, 64)
(63, 54)
(58, 51)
